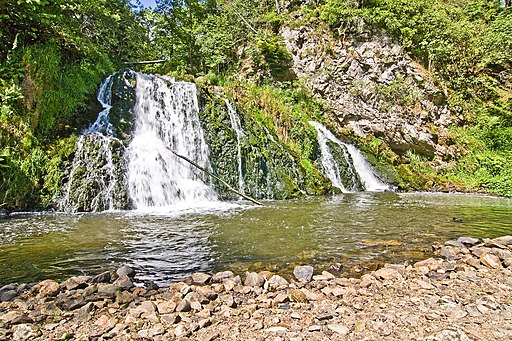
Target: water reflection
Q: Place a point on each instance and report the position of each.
(341, 232)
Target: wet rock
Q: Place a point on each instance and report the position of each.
(108, 290)
(104, 277)
(200, 278)
(252, 279)
(76, 282)
(125, 270)
(47, 288)
(303, 273)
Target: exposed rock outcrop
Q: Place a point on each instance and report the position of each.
(372, 87)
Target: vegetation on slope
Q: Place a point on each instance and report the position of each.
(53, 55)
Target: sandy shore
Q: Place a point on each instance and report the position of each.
(465, 293)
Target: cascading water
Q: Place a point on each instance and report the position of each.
(167, 122)
(237, 126)
(344, 164)
(96, 181)
(146, 174)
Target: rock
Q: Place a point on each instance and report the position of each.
(468, 240)
(366, 281)
(124, 282)
(125, 270)
(338, 329)
(228, 300)
(104, 277)
(430, 263)
(303, 273)
(23, 332)
(297, 295)
(387, 274)
(7, 295)
(281, 298)
(76, 282)
(220, 276)
(166, 307)
(183, 306)
(295, 315)
(200, 278)
(252, 279)
(324, 316)
(505, 240)
(491, 261)
(109, 290)
(455, 243)
(449, 335)
(124, 297)
(181, 331)
(278, 330)
(276, 281)
(47, 288)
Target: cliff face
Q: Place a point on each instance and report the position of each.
(372, 88)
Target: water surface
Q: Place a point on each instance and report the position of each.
(345, 233)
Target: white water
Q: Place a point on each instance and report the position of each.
(355, 159)
(94, 167)
(167, 121)
(237, 126)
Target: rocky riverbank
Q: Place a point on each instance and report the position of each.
(465, 293)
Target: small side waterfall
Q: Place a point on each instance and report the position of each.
(167, 121)
(97, 177)
(237, 126)
(344, 164)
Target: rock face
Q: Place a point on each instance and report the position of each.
(371, 87)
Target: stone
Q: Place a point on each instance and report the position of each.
(228, 300)
(387, 274)
(430, 263)
(124, 282)
(47, 288)
(278, 330)
(468, 241)
(276, 281)
(181, 331)
(220, 276)
(76, 282)
(125, 270)
(124, 297)
(324, 316)
(338, 329)
(200, 278)
(505, 240)
(24, 332)
(166, 307)
(303, 273)
(7, 295)
(104, 277)
(183, 306)
(281, 298)
(455, 243)
(491, 261)
(252, 279)
(295, 315)
(297, 295)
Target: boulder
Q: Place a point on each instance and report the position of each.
(303, 273)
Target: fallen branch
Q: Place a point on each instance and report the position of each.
(146, 62)
(228, 186)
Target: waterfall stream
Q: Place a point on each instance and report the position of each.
(344, 164)
(237, 126)
(167, 121)
(133, 163)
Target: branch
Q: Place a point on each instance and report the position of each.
(146, 62)
(228, 186)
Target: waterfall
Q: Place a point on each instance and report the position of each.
(167, 121)
(96, 181)
(344, 164)
(145, 174)
(236, 125)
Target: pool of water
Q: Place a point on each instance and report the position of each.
(346, 233)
